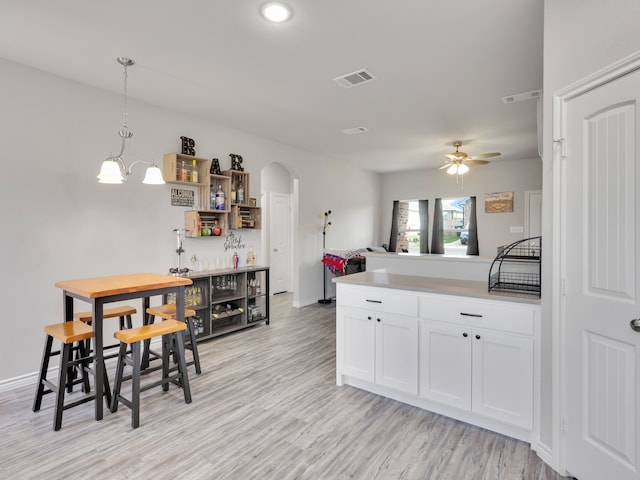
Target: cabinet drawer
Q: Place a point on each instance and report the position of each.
(379, 299)
(481, 313)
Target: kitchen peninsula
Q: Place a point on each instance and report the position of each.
(442, 344)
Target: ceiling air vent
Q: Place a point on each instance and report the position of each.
(356, 78)
(353, 131)
(522, 96)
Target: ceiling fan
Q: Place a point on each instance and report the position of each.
(456, 162)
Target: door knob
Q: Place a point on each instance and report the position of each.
(275, 249)
(635, 324)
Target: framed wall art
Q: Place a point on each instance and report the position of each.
(498, 202)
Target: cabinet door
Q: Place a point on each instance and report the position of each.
(503, 377)
(397, 352)
(358, 347)
(445, 363)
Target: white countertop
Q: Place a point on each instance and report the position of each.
(447, 286)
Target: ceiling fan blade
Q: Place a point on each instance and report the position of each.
(485, 155)
(453, 156)
(446, 165)
(476, 162)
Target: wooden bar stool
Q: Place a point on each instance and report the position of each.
(123, 313)
(168, 312)
(73, 336)
(172, 332)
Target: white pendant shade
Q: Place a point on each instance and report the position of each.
(153, 176)
(457, 169)
(110, 172)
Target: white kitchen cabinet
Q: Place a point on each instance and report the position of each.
(381, 348)
(377, 337)
(479, 370)
(502, 373)
(473, 358)
(357, 329)
(445, 364)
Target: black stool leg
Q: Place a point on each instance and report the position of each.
(62, 383)
(193, 347)
(182, 366)
(44, 366)
(135, 386)
(122, 353)
(149, 320)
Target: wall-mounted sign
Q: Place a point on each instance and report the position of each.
(498, 202)
(231, 242)
(182, 197)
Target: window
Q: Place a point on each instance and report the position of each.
(455, 224)
(409, 230)
(410, 223)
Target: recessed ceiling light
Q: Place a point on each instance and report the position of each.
(276, 12)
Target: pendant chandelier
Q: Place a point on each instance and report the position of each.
(114, 168)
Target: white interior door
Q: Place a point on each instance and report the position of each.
(600, 269)
(280, 241)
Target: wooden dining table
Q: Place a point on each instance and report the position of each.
(100, 290)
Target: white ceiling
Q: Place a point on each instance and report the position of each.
(442, 68)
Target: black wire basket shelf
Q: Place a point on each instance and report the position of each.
(517, 268)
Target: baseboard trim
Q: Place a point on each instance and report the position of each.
(544, 452)
(30, 379)
(22, 381)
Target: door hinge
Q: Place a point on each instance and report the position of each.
(563, 145)
(564, 287)
(563, 426)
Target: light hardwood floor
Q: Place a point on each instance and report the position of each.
(265, 407)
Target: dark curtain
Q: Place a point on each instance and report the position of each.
(393, 241)
(437, 240)
(423, 209)
(472, 244)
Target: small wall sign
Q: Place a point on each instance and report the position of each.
(231, 242)
(498, 202)
(182, 197)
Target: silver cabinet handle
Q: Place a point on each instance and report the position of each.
(470, 314)
(374, 301)
(635, 324)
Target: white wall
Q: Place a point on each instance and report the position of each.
(59, 223)
(515, 176)
(580, 38)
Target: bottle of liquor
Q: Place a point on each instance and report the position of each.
(240, 193)
(219, 198)
(233, 193)
(183, 171)
(194, 172)
(212, 197)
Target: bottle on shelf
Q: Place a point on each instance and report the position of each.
(233, 193)
(183, 171)
(240, 193)
(216, 230)
(194, 172)
(236, 261)
(212, 197)
(219, 198)
(251, 256)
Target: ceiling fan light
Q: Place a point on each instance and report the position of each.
(453, 169)
(462, 169)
